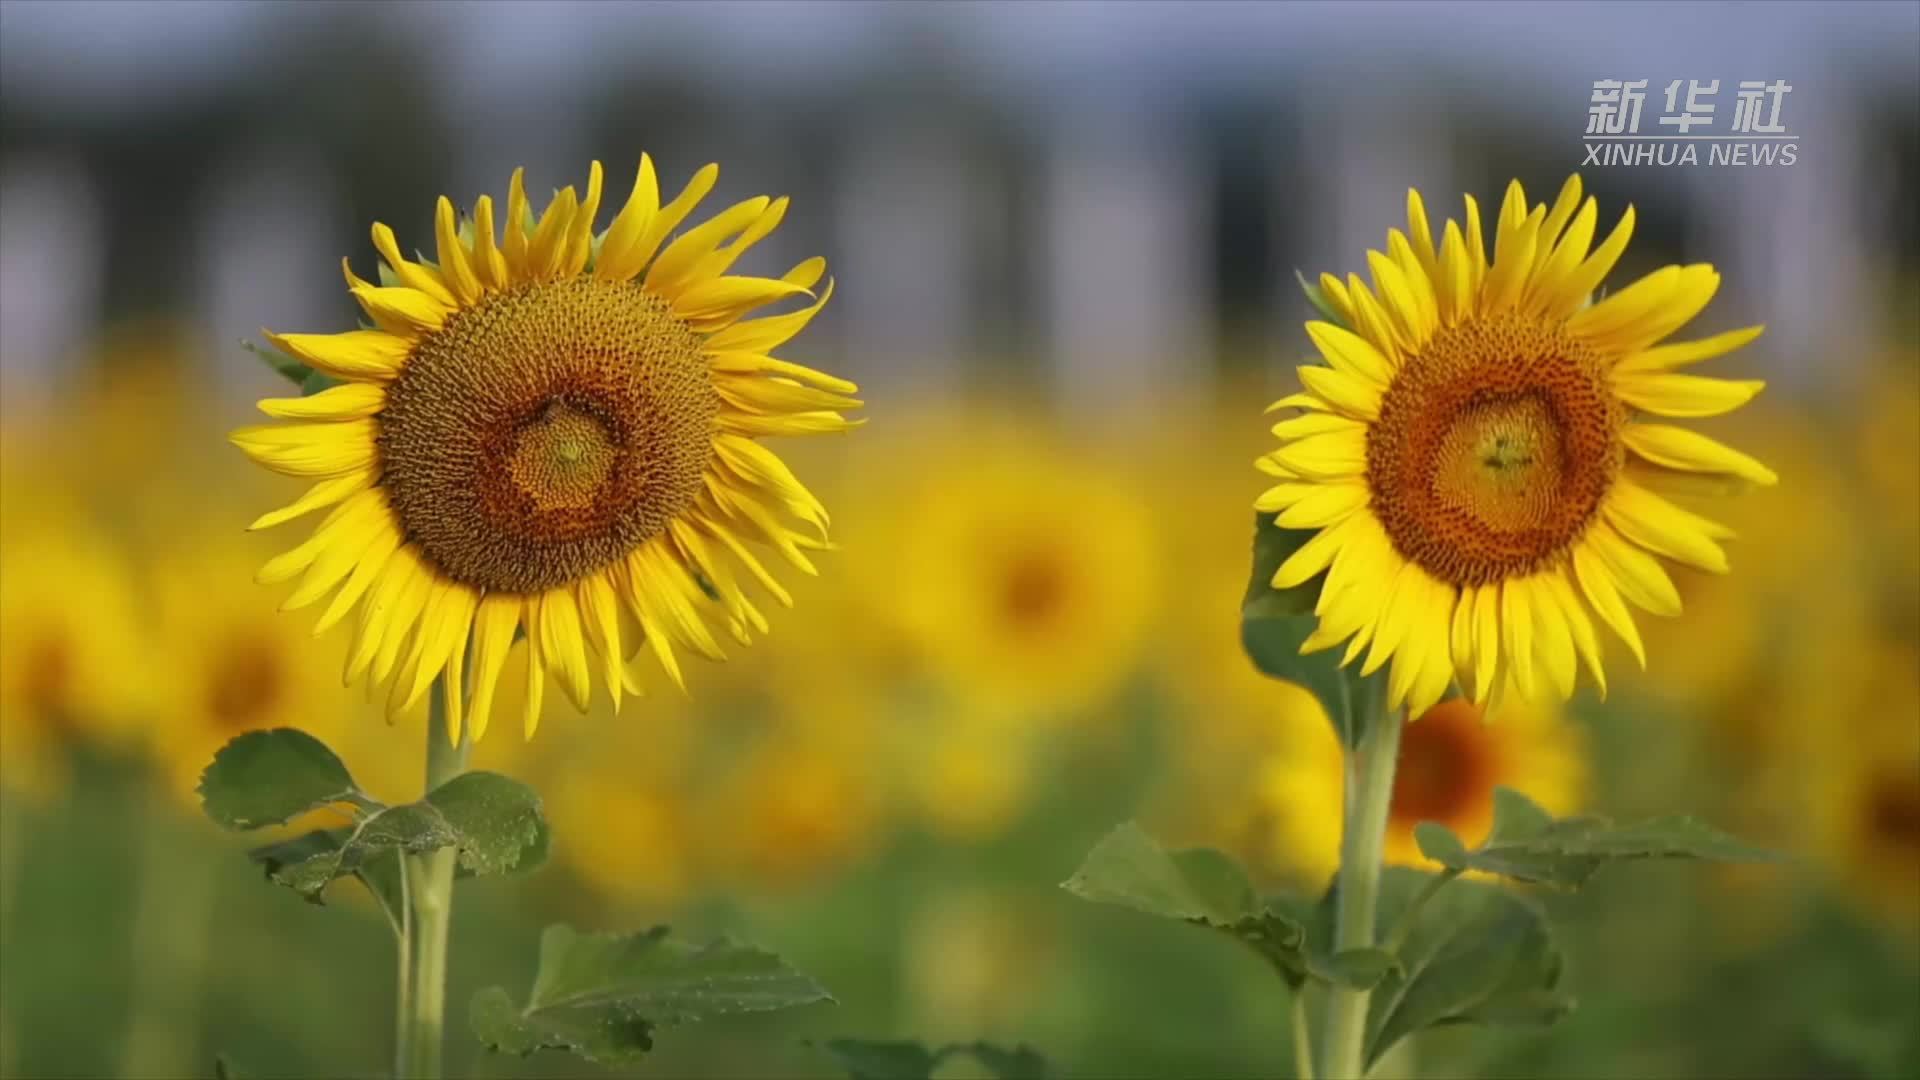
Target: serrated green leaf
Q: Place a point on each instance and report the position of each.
(601, 996)
(872, 1059)
(1318, 298)
(498, 822)
(494, 821)
(1274, 623)
(310, 863)
(285, 366)
(1528, 844)
(1475, 953)
(270, 777)
(1201, 886)
(1127, 868)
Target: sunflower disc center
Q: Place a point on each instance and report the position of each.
(1445, 766)
(543, 433)
(1493, 450)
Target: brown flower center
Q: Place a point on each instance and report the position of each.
(1494, 449)
(1035, 590)
(1892, 814)
(246, 682)
(1446, 766)
(545, 432)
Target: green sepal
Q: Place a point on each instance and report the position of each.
(1318, 298)
(602, 996)
(287, 367)
(1274, 623)
(1528, 844)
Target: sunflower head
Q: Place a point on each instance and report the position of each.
(553, 429)
(1480, 457)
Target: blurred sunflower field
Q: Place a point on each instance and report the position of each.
(1027, 627)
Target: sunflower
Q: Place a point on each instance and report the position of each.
(1022, 575)
(227, 663)
(1478, 457)
(1862, 792)
(70, 644)
(554, 430)
(1450, 761)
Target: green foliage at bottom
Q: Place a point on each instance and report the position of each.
(602, 996)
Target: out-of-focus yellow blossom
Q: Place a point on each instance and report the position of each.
(222, 661)
(1016, 572)
(1450, 762)
(1862, 806)
(71, 659)
(792, 813)
(1760, 618)
(968, 773)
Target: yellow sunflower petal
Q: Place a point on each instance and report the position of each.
(1348, 352)
(617, 259)
(1637, 575)
(1348, 393)
(1581, 282)
(401, 310)
(1690, 451)
(1686, 395)
(373, 355)
(494, 623)
(1326, 457)
(456, 267)
(489, 262)
(1682, 353)
(1596, 583)
(324, 493)
(563, 645)
(422, 279)
(1659, 526)
(669, 217)
(320, 449)
(350, 401)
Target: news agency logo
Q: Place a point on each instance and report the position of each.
(1754, 135)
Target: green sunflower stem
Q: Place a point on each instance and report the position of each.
(429, 880)
(1369, 795)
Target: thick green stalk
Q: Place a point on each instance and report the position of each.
(430, 887)
(1369, 795)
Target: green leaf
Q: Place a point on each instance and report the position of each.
(494, 821)
(310, 863)
(866, 1059)
(1318, 298)
(1476, 953)
(497, 822)
(601, 996)
(1528, 844)
(1274, 623)
(283, 365)
(1198, 886)
(269, 777)
(872, 1059)
(1127, 868)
